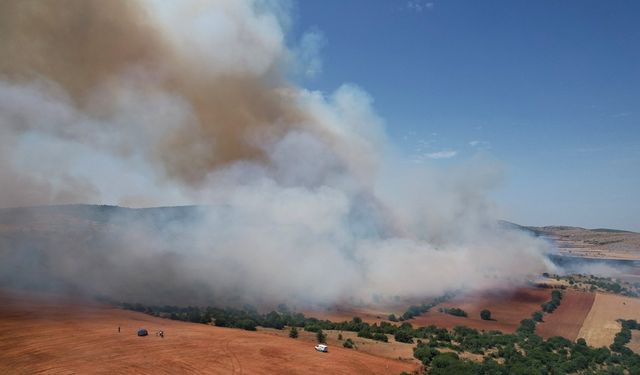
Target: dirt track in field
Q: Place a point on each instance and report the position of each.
(64, 336)
(600, 326)
(507, 308)
(567, 319)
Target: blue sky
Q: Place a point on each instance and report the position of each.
(551, 89)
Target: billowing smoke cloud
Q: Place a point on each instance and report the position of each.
(300, 195)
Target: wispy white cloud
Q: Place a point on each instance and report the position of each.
(480, 145)
(445, 154)
(621, 114)
(419, 5)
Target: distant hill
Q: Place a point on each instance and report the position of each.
(598, 243)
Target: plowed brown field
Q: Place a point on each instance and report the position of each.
(567, 319)
(61, 336)
(507, 308)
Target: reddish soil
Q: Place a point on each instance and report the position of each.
(568, 318)
(63, 336)
(508, 308)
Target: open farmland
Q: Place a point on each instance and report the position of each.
(600, 325)
(567, 319)
(392, 349)
(341, 313)
(62, 336)
(634, 344)
(507, 308)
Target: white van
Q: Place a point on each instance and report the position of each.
(322, 348)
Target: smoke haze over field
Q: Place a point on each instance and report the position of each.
(148, 103)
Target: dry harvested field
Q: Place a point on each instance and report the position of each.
(635, 341)
(507, 308)
(339, 314)
(600, 326)
(61, 336)
(568, 318)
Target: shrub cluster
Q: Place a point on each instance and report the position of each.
(550, 306)
(348, 343)
(623, 337)
(454, 311)
(367, 333)
(248, 318)
(416, 310)
(522, 353)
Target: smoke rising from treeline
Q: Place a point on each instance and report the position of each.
(154, 103)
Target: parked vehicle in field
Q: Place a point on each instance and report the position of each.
(322, 348)
(142, 332)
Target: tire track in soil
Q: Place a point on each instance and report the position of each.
(236, 365)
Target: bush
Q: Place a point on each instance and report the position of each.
(380, 337)
(444, 360)
(393, 318)
(365, 332)
(550, 306)
(348, 343)
(293, 333)
(537, 316)
(247, 324)
(424, 353)
(455, 312)
(321, 337)
(312, 328)
(403, 336)
(527, 326)
(485, 314)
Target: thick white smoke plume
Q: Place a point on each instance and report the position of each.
(300, 195)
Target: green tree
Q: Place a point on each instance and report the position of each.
(403, 336)
(485, 314)
(380, 337)
(293, 333)
(537, 316)
(348, 343)
(247, 324)
(321, 337)
(424, 353)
